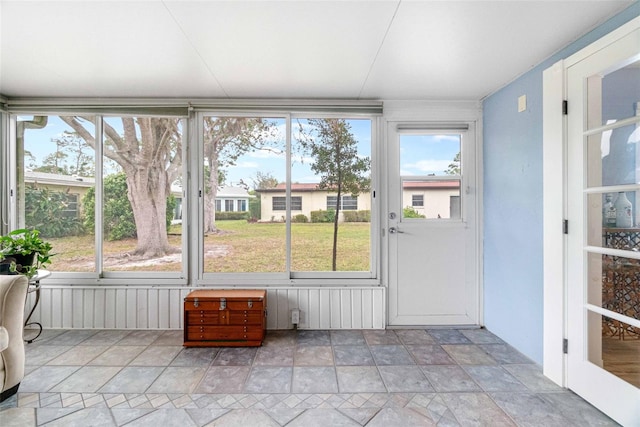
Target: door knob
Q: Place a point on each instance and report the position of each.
(394, 230)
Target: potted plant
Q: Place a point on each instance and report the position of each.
(24, 252)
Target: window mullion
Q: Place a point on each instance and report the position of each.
(288, 198)
(99, 174)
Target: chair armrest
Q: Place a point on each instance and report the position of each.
(4, 338)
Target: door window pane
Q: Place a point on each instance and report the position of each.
(244, 157)
(430, 165)
(331, 157)
(56, 173)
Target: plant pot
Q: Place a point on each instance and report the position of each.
(20, 260)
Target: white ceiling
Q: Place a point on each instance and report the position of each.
(282, 49)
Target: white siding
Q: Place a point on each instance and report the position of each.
(161, 307)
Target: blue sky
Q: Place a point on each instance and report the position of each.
(419, 154)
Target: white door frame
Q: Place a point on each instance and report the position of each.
(555, 161)
(433, 112)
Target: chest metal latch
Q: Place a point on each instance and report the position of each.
(223, 303)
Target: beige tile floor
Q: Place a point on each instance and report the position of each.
(404, 377)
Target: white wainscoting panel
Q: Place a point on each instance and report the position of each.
(145, 307)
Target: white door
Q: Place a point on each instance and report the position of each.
(431, 225)
(603, 261)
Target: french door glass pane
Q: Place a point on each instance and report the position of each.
(612, 220)
(142, 175)
(614, 346)
(56, 178)
(244, 158)
(425, 161)
(331, 156)
(615, 285)
(620, 93)
(612, 156)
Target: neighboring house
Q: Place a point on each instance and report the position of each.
(434, 199)
(232, 199)
(74, 187)
(306, 198)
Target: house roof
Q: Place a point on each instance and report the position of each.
(416, 185)
(32, 177)
(280, 188)
(57, 179)
(408, 185)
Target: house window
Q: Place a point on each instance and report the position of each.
(348, 203)
(296, 203)
(279, 204)
(417, 200)
(242, 205)
(228, 205)
(218, 205)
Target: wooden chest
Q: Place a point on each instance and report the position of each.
(225, 318)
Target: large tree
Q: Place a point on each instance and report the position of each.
(334, 150)
(148, 150)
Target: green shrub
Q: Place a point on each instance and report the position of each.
(229, 216)
(323, 216)
(300, 218)
(51, 213)
(357, 216)
(409, 212)
(254, 208)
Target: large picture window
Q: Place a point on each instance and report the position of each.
(273, 197)
(66, 186)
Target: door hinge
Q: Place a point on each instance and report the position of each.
(565, 346)
(565, 226)
(565, 107)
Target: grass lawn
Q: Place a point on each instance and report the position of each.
(239, 247)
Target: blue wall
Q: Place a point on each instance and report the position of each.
(512, 145)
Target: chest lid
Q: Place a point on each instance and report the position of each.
(223, 299)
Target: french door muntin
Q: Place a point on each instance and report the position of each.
(288, 274)
(602, 159)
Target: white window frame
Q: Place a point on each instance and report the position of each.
(99, 277)
(323, 278)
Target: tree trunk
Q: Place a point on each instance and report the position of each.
(335, 231)
(210, 194)
(147, 194)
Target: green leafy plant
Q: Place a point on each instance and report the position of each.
(409, 212)
(25, 242)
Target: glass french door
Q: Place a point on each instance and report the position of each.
(603, 264)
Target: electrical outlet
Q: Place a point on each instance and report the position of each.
(295, 316)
